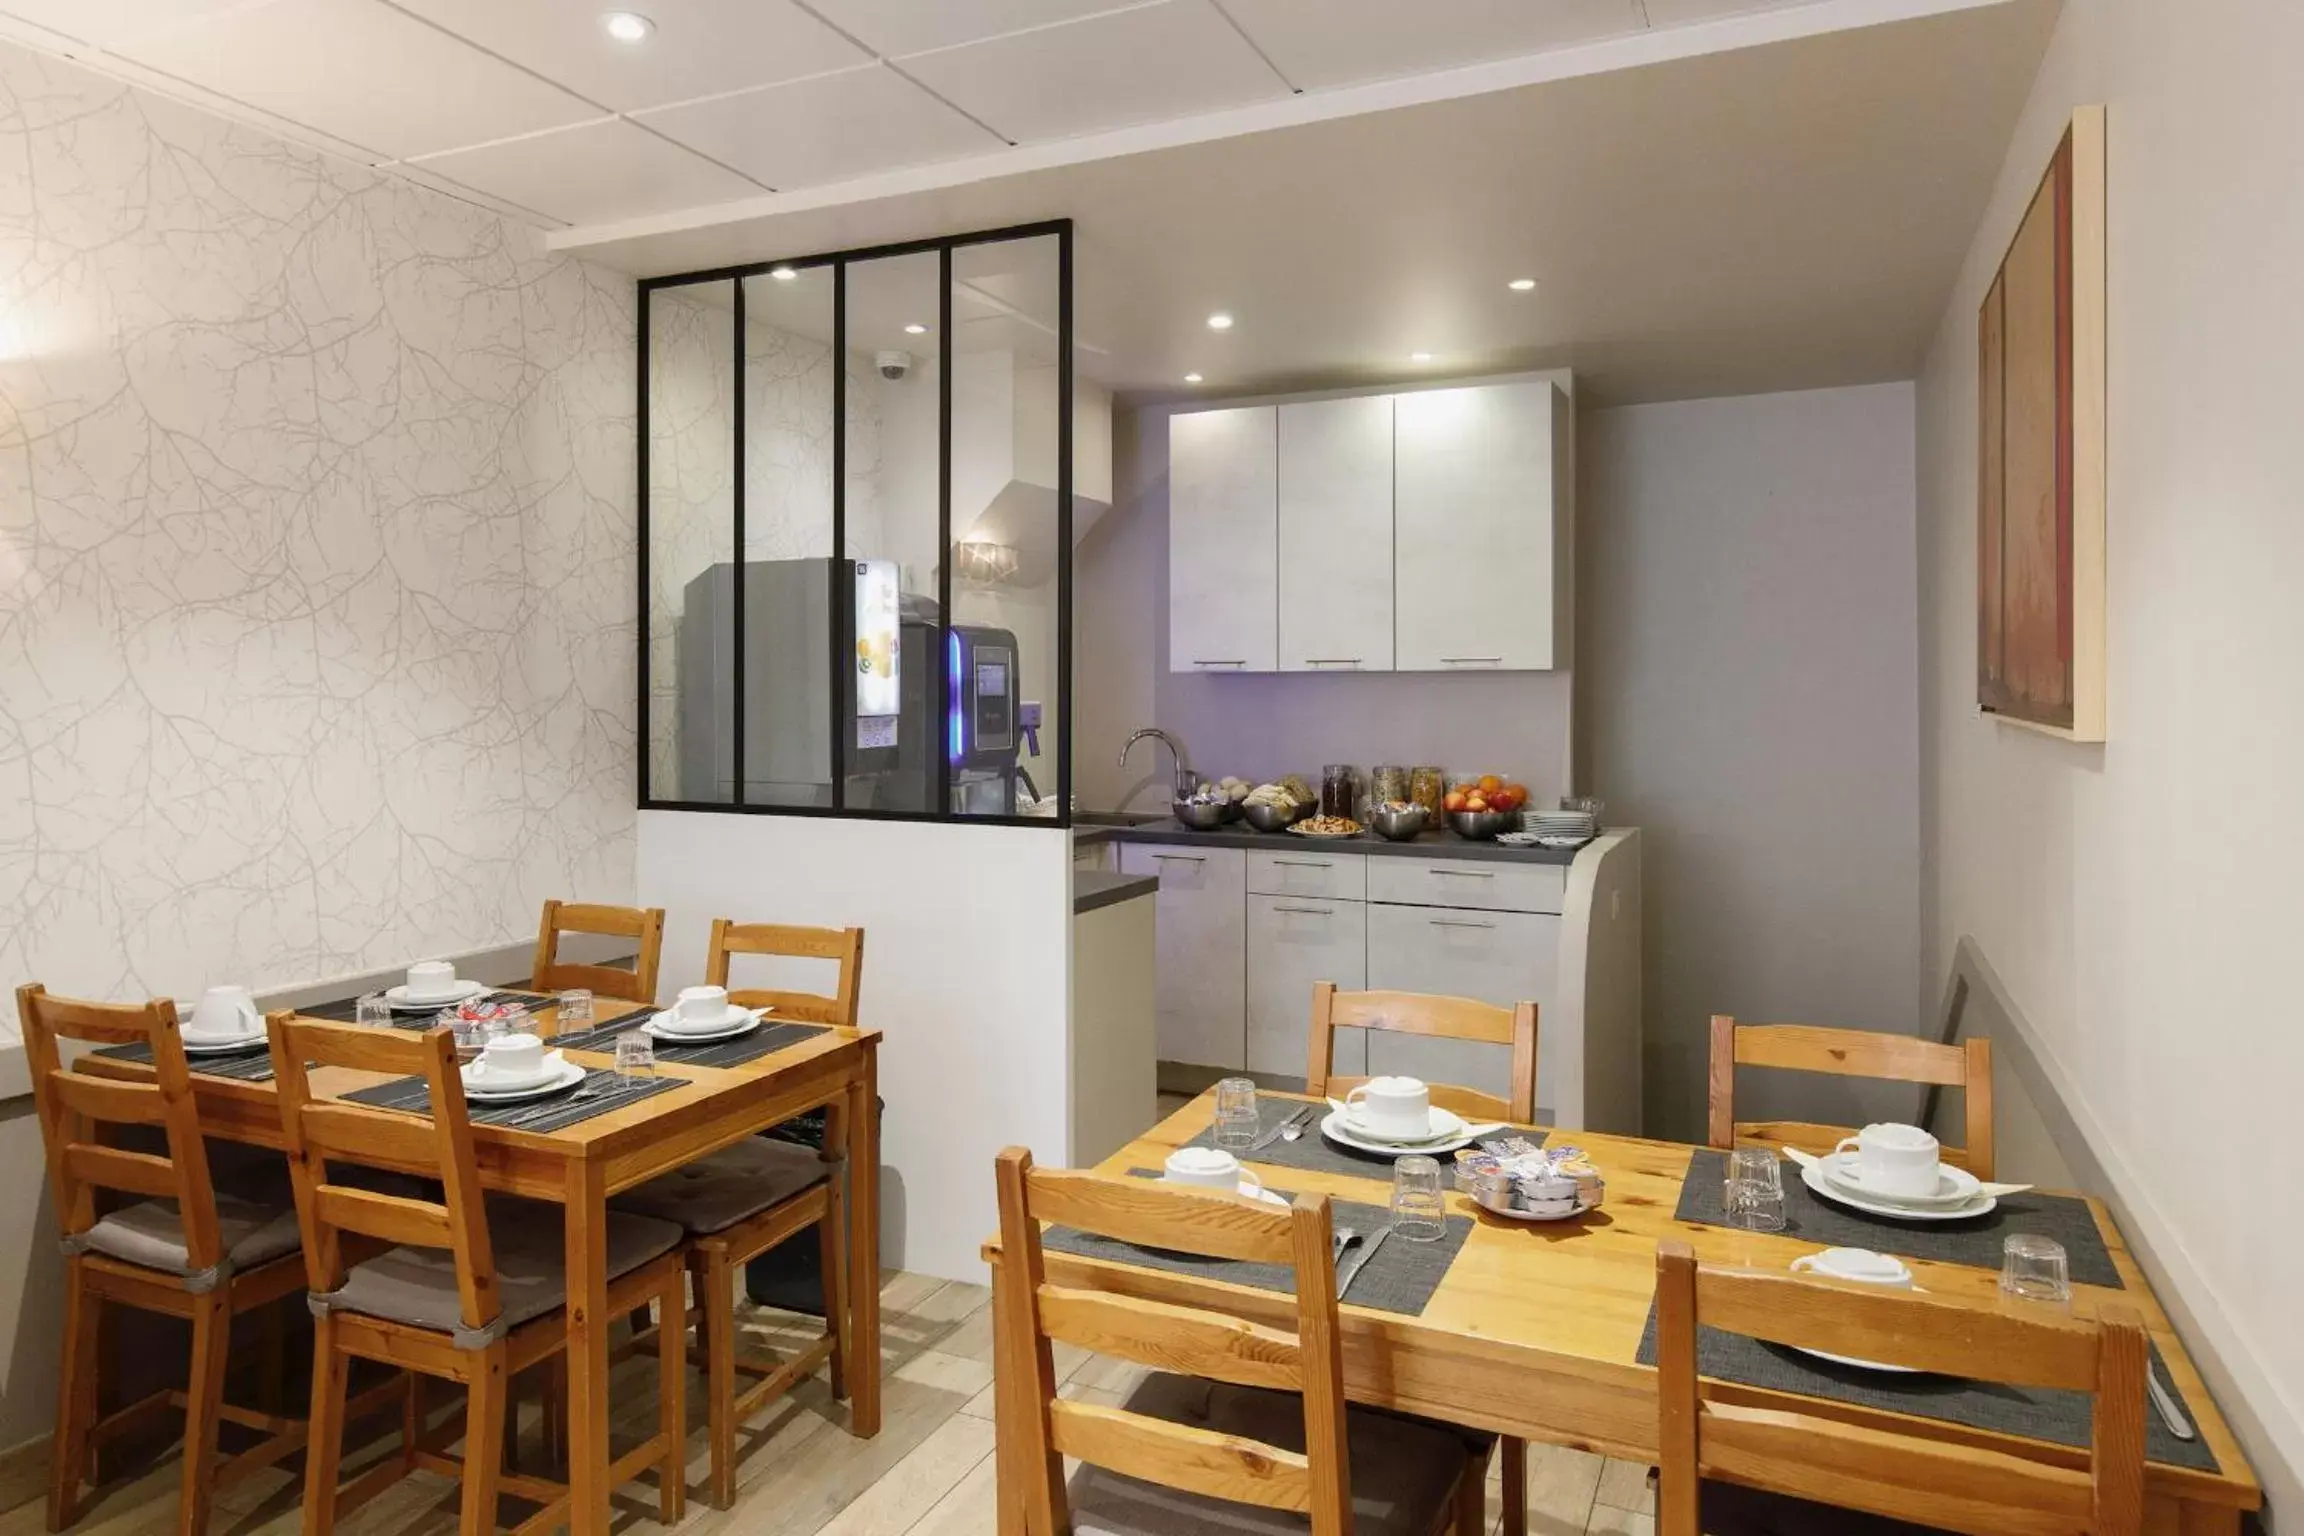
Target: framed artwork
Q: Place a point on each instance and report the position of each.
(2040, 455)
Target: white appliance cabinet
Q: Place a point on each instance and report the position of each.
(1335, 518)
(1200, 997)
(1223, 541)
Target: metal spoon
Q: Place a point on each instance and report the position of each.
(1341, 1239)
(1293, 1130)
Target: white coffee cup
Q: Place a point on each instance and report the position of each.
(1209, 1168)
(698, 1007)
(1859, 1264)
(224, 1013)
(1895, 1159)
(1396, 1107)
(431, 981)
(513, 1058)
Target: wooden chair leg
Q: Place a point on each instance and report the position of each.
(483, 1441)
(1514, 1452)
(272, 1365)
(556, 1411)
(411, 1419)
(1471, 1517)
(324, 1447)
(720, 1373)
(832, 1252)
(204, 1397)
(75, 1398)
(672, 1401)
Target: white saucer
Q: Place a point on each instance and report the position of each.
(1954, 1186)
(1578, 1209)
(735, 1022)
(558, 1073)
(1862, 1365)
(1812, 1176)
(194, 1046)
(1444, 1125)
(1336, 1129)
(398, 1000)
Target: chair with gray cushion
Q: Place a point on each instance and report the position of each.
(1258, 1440)
(185, 1250)
(463, 1288)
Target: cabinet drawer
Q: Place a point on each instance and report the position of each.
(1487, 885)
(1340, 876)
(1496, 957)
(1294, 943)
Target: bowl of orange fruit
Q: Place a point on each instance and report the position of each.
(1479, 808)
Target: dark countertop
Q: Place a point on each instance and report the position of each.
(1442, 844)
(1093, 888)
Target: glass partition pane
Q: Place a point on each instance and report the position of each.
(1004, 723)
(691, 540)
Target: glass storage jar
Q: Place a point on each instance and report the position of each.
(1339, 790)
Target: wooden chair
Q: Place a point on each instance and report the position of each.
(1847, 1053)
(645, 927)
(740, 1202)
(184, 1250)
(843, 946)
(1259, 1420)
(464, 1289)
(1444, 1018)
(1777, 1466)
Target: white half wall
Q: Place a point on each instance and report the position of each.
(967, 974)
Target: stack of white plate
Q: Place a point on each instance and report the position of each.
(1444, 1132)
(1958, 1195)
(1561, 829)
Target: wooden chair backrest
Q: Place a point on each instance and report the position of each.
(1847, 1053)
(73, 1107)
(321, 1131)
(1187, 1340)
(645, 926)
(1446, 1018)
(1943, 1482)
(843, 946)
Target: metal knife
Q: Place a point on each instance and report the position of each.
(1272, 1135)
(1359, 1261)
(2165, 1400)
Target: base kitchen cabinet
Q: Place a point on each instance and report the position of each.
(1295, 943)
(1496, 957)
(1200, 991)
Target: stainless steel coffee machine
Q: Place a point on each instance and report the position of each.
(983, 719)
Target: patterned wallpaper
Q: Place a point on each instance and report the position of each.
(316, 620)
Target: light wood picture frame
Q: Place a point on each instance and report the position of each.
(2040, 572)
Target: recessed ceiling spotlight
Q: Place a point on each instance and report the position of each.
(1191, 378)
(1521, 284)
(1219, 321)
(627, 26)
(915, 329)
(783, 274)
(1419, 357)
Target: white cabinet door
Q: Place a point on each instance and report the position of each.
(1223, 555)
(1497, 957)
(1293, 943)
(1473, 528)
(1200, 989)
(1336, 536)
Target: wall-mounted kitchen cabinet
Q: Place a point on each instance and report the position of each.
(1418, 532)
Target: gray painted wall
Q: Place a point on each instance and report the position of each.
(1749, 697)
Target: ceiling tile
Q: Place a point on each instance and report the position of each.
(825, 129)
(699, 47)
(898, 27)
(111, 21)
(1145, 65)
(593, 174)
(1319, 43)
(363, 72)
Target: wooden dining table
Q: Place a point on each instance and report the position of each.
(580, 1166)
(1535, 1330)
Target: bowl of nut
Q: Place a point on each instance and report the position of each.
(1398, 821)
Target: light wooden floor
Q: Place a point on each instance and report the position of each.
(928, 1472)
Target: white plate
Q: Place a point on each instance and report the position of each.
(559, 1073)
(398, 1000)
(1519, 1215)
(1812, 1176)
(1954, 1186)
(736, 1022)
(1335, 1129)
(220, 1047)
(1862, 1365)
(1444, 1125)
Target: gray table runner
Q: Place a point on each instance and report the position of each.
(346, 1010)
(764, 1041)
(2061, 1418)
(597, 1094)
(253, 1065)
(1975, 1242)
(1312, 1152)
(1400, 1277)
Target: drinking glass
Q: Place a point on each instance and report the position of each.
(1236, 1122)
(2033, 1267)
(1419, 1212)
(372, 1011)
(635, 1057)
(1753, 1197)
(575, 1012)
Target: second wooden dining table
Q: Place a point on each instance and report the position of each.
(580, 1166)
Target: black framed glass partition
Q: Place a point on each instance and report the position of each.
(855, 532)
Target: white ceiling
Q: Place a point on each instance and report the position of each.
(529, 106)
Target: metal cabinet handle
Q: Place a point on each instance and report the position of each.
(1237, 662)
(1307, 863)
(1312, 911)
(1457, 661)
(1186, 858)
(1331, 661)
(1457, 922)
(1464, 874)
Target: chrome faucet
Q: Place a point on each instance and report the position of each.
(1186, 779)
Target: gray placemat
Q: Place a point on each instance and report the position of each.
(253, 1065)
(1975, 1242)
(1400, 1277)
(600, 1092)
(346, 1010)
(1312, 1152)
(764, 1041)
(2062, 1418)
